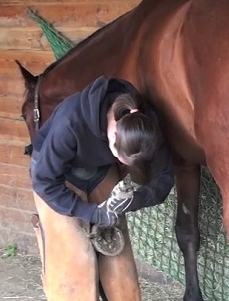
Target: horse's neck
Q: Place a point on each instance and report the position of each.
(111, 51)
(104, 53)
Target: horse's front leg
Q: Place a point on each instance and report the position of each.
(187, 232)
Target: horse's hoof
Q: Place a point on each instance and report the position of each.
(109, 241)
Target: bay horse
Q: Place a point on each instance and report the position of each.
(176, 53)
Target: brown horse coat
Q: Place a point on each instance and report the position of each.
(176, 52)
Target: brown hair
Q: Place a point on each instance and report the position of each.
(137, 136)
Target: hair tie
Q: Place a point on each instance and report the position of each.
(133, 111)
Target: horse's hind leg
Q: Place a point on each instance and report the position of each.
(118, 274)
(188, 183)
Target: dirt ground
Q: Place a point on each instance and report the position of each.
(20, 281)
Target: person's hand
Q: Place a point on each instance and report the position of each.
(120, 201)
(121, 198)
(103, 216)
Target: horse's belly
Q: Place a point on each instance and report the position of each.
(185, 145)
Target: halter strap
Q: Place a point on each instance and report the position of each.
(36, 111)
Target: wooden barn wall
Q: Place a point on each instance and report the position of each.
(21, 39)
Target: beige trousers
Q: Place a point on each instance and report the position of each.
(70, 268)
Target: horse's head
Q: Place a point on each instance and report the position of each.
(27, 110)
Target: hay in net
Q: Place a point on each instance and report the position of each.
(152, 229)
(59, 43)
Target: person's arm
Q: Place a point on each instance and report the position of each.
(131, 197)
(58, 151)
(162, 181)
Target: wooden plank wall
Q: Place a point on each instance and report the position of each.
(21, 39)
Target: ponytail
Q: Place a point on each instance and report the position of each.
(123, 105)
(137, 136)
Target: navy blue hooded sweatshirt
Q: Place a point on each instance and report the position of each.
(75, 136)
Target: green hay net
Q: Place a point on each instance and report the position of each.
(152, 230)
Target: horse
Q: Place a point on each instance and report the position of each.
(176, 53)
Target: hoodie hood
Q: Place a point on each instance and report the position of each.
(95, 101)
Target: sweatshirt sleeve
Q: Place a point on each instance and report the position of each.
(162, 181)
(48, 180)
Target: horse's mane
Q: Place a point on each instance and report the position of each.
(83, 43)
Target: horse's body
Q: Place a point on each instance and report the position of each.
(176, 52)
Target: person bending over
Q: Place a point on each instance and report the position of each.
(103, 130)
